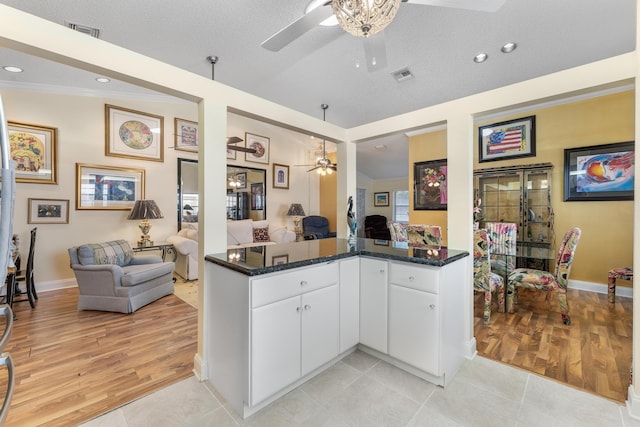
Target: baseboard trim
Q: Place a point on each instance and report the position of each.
(54, 285)
(633, 403)
(600, 288)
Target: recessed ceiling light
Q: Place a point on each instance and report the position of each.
(509, 47)
(381, 147)
(12, 69)
(102, 80)
(481, 57)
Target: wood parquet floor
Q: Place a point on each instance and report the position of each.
(593, 353)
(74, 365)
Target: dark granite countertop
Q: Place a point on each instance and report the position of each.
(271, 258)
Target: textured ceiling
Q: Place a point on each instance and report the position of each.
(436, 43)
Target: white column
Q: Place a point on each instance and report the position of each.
(347, 177)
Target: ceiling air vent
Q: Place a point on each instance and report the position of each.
(402, 75)
(93, 32)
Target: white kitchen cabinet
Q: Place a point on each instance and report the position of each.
(373, 303)
(414, 328)
(320, 317)
(349, 303)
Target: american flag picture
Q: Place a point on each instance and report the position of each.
(510, 139)
(506, 140)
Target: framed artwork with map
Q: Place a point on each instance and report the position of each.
(133, 134)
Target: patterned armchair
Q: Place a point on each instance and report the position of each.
(545, 281)
(503, 238)
(484, 280)
(416, 234)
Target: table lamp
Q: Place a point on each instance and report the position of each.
(296, 211)
(145, 210)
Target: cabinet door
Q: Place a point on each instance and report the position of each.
(414, 328)
(373, 303)
(538, 214)
(320, 327)
(349, 303)
(275, 347)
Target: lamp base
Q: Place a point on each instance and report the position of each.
(297, 229)
(145, 227)
(145, 240)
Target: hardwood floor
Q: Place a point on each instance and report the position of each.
(593, 353)
(74, 365)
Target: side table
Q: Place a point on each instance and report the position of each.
(165, 248)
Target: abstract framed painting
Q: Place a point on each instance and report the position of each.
(48, 211)
(133, 134)
(34, 150)
(507, 140)
(599, 172)
(108, 187)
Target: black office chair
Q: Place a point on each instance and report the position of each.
(26, 276)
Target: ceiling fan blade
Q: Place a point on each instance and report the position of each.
(297, 28)
(375, 51)
(243, 149)
(481, 5)
(312, 169)
(233, 140)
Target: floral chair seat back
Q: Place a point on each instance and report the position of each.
(483, 279)
(423, 235)
(503, 238)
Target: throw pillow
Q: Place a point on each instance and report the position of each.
(260, 235)
(114, 252)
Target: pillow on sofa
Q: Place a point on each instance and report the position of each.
(260, 235)
(189, 234)
(114, 252)
(261, 224)
(239, 232)
(276, 234)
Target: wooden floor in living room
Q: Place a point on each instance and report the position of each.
(74, 365)
(593, 353)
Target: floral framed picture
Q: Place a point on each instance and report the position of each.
(48, 211)
(599, 172)
(507, 140)
(280, 176)
(108, 187)
(185, 135)
(34, 150)
(133, 134)
(381, 199)
(258, 143)
(430, 185)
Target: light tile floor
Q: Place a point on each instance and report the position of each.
(362, 390)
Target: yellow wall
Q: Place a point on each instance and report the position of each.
(329, 195)
(607, 227)
(428, 146)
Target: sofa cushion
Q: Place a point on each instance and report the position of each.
(137, 274)
(189, 233)
(260, 234)
(239, 232)
(261, 224)
(117, 252)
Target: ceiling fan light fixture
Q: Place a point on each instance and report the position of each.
(363, 18)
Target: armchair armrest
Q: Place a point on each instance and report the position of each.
(184, 245)
(145, 259)
(100, 279)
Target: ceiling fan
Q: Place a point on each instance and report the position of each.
(231, 140)
(323, 165)
(363, 19)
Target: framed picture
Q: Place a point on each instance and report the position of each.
(279, 259)
(599, 173)
(507, 140)
(108, 187)
(133, 134)
(430, 185)
(381, 242)
(381, 199)
(186, 135)
(237, 181)
(260, 144)
(231, 154)
(280, 176)
(48, 211)
(257, 196)
(34, 149)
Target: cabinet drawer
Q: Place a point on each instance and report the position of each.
(423, 278)
(284, 285)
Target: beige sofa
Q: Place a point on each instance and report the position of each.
(240, 234)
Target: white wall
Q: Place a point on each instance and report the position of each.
(81, 139)
(382, 186)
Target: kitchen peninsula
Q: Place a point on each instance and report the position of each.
(281, 314)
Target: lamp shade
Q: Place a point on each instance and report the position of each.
(145, 209)
(187, 207)
(296, 210)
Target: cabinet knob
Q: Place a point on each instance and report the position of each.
(303, 283)
(411, 278)
(382, 271)
(298, 309)
(307, 307)
(432, 306)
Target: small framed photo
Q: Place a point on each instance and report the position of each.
(48, 211)
(280, 176)
(381, 242)
(186, 135)
(237, 181)
(133, 134)
(34, 149)
(507, 140)
(257, 196)
(599, 172)
(279, 259)
(430, 185)
(108, 187)
(260, 144)
(381, 199)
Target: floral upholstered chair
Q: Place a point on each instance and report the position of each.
(545, 281)
(484, 280)
(398, 233)
(423, 235)
(503, 237)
